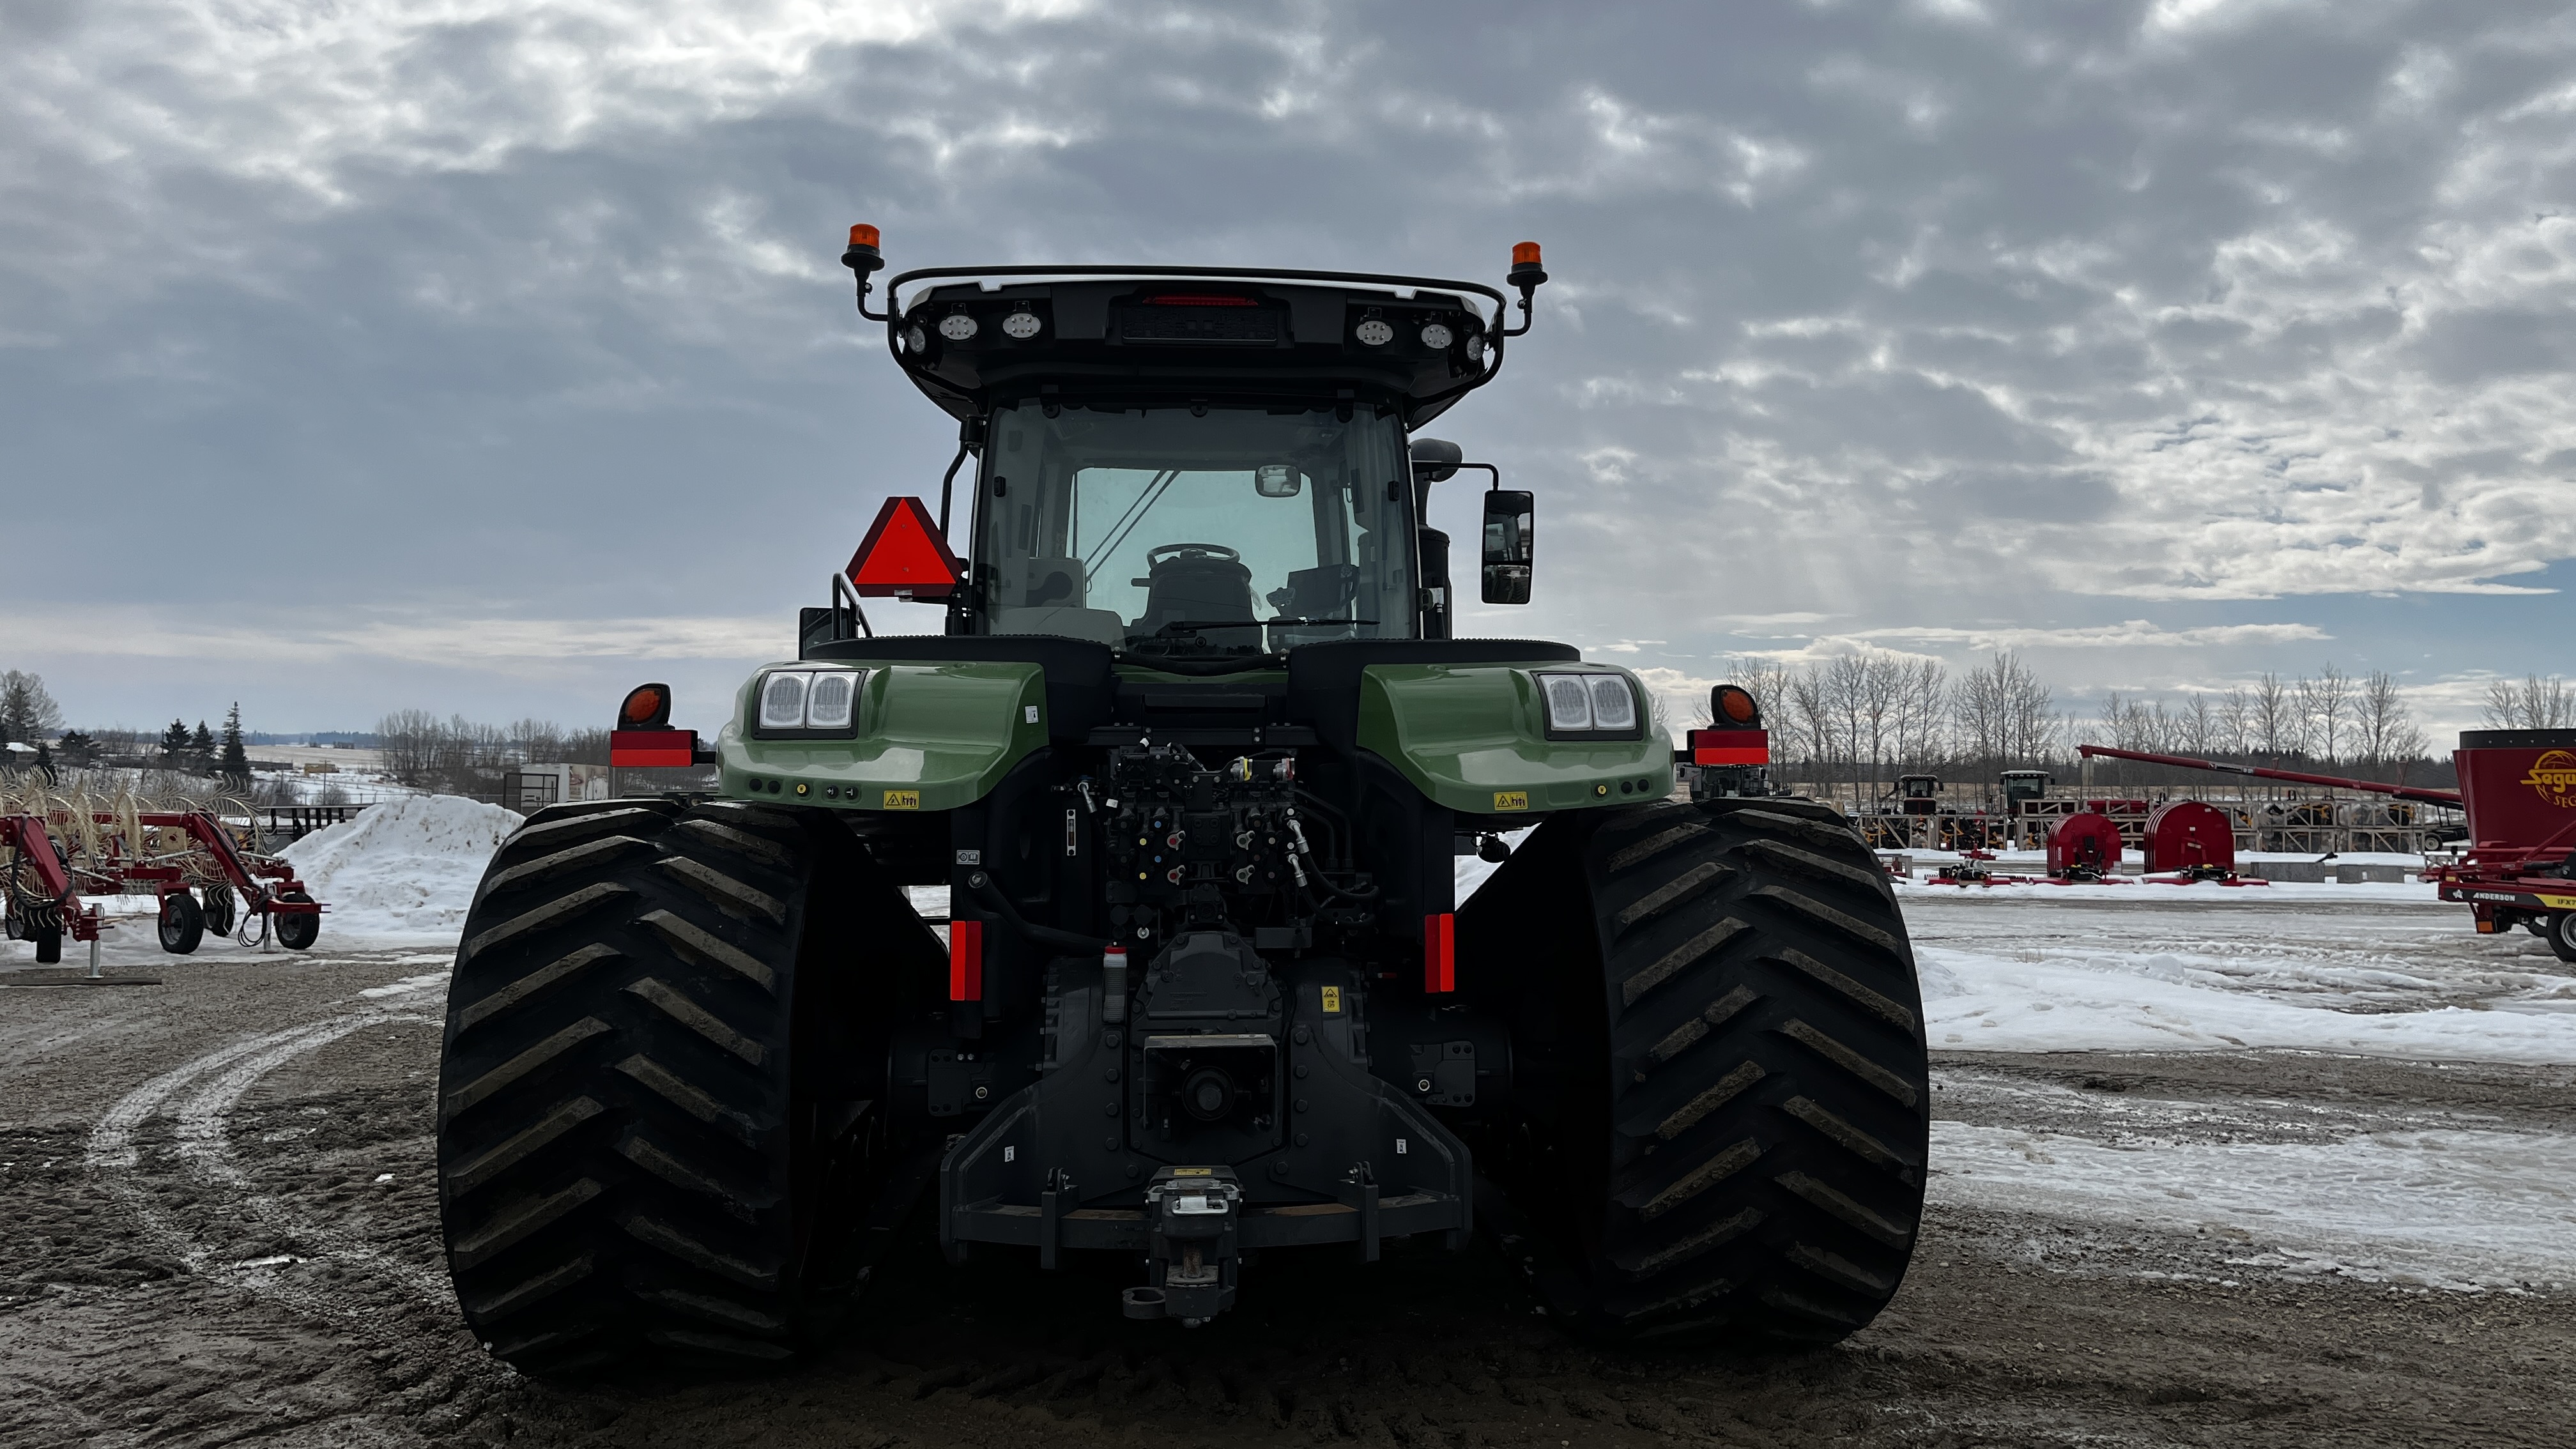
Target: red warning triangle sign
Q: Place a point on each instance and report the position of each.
(904, 556)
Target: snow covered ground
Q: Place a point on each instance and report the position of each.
(2282, 1187)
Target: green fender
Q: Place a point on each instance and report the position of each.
(1473, 737)
(930, 737)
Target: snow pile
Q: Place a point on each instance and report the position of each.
(404, 870)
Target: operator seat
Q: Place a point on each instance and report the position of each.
(1200, 584)
(1047, 596)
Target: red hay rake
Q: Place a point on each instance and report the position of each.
(201, 875)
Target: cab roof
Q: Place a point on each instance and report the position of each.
(979, 338)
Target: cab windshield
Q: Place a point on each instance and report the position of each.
(1164, 532)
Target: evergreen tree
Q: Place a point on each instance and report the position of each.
(78, 749)
(201, 747)
(174, 744)
(45, 761)
(236, 766)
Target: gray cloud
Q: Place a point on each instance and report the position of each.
(1910, 316)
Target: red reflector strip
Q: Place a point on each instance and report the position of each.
(966, 960)
(1440, 952)
(1730, 747)
(652, 749)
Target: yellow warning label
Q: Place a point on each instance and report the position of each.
(1332, 1001)
(2557, 903)
(1193, 1172)
(1511, 799)
(902, 800)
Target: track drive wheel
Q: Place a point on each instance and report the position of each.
(663, 1032)
(183, 924)
(300, 930)
(1733, 1145)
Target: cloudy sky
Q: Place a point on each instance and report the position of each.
(490, 357)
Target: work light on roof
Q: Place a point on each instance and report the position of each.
(1020, 326)
(956, 326)
(1436, 337)
(1376, 333)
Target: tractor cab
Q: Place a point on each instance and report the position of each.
(2023, 789)
(1192, 465)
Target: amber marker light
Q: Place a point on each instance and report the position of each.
(647, 706)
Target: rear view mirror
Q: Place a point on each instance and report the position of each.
(1275, 480)
(1508, 516)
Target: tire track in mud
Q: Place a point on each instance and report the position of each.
(203, 1145)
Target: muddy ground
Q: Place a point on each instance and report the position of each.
(217, 1226)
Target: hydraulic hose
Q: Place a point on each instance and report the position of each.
(981, 886)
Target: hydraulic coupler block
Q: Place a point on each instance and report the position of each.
(1192, 1215)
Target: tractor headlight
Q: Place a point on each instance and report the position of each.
(782, 701)
(1589, 704)
(793, 702)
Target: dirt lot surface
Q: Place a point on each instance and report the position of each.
(217, 1226)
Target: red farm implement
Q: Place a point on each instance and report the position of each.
(2519, 789)
(200, 875)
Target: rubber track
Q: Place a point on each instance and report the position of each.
(1767, 1102)
(614, 1102)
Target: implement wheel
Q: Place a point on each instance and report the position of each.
(299, 930)
(222, 910)
(2561, 930)
(183, 925)
(664, 1034)
(1717, 1007)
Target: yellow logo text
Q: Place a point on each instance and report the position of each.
(2554, 776)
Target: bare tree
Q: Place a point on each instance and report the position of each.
(2275, 718)
(2235, 720)
(2030, 715)
(2325, 708)
(2538, 703)
(1978, 712)
(2384, 731)
(2198, 725)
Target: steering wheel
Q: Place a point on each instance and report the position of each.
(1159, 552)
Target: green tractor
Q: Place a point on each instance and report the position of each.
(1196, 758)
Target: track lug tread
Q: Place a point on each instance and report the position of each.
(514, 1223)
(465, 1177)
(482, 1088)
(1709, 1098)
(544, 1285)
(519, 991)
(557, 912)
(655, 1233)
(607, 850)
(691, 1098)
(1871, 1001)
(735, 898)
(1850, 1061)
(1825, 915)
(676, 1005)
(1664, 897)
(1654, 845)
(741, 842)
(645, 1153)
(696, 944)
(1665, 967)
